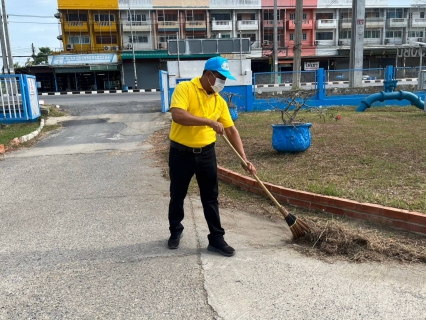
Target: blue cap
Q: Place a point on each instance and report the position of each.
(220, 65)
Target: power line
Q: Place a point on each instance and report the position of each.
(24, 15)
(33, 22)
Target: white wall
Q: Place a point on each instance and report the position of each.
(194, 68)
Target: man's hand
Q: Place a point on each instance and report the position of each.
(217, 127)
(250, 168)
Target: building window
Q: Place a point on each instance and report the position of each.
(106, 39)
(422, 15)
(104, 17)
(138, 39)
(167, 37)
(167, 17)
(270, 15)
(292, 36)
(268, 37)
(304, 36)
(251, 36)
(324, 36)
(415, 34)
(293, 16)
(324, 16)
(394, 14)
(372, 34)
(394, 34)
(76, 17)
(136, 17)
(374, 13)
(195, 17)
(79, 39)
(221, 16)
(345, 34)
(246, 16)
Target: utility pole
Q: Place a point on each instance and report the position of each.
(356, 56)
(3, 46)
(6, 32)
(133, 48)
(297, 63)
(275, 42)
(33, 51)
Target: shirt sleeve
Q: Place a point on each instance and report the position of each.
(180, 97)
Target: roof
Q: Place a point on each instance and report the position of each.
(162, 54)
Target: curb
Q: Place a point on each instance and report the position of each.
(33, 134)
(97, 92)
(398, 218)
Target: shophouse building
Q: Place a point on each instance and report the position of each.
(105, 41)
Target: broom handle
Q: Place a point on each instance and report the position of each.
(284, 212)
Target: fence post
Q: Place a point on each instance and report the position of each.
(320, 85)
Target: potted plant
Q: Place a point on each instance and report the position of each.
(231, 106)
(292, 135)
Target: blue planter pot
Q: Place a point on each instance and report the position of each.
(234, 113)
(291, 137)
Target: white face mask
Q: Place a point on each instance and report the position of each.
(219, 84)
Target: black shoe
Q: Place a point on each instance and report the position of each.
(174, 241)
(222, 248)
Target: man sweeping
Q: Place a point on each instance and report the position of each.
(199, 114)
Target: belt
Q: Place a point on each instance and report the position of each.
(189, 149)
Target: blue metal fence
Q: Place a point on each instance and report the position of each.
(18, 98)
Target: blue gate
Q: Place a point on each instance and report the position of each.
(18, 98)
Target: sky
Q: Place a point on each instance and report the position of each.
(32, 21)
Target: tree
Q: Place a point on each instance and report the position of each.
(40, 57)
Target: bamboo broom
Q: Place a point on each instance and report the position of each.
(297, 226)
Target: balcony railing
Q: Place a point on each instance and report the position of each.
(326, 24)
(101, 26)
(168, 26)
(247, 25)
(306, 24)
(346, 23)
(397, 22)
(269, 24)
(221, 25)
(418, 22)
(374, 22)
(76, 26)
(195, 25)
(137, 26)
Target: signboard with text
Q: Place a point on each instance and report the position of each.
(82, 59)
(312, 65)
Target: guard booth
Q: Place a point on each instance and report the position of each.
(238, 92)
(18, 98)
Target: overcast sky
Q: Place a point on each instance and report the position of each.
(32, 21)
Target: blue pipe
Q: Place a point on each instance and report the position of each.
(397, 95)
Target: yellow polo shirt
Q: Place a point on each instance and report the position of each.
(190, 96)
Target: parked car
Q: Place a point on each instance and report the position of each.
(340, 77)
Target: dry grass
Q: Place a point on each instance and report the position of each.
(377, 156)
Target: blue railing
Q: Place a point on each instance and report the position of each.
(18, 98)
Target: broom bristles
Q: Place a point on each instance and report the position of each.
(297, 226)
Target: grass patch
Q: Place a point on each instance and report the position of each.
(17, 130)
(11, 131)
(377, 156)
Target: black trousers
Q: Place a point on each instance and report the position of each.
(182, 167)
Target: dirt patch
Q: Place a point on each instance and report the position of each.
(331, 238)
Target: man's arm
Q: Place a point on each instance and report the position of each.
(185, 118)
(235, 139)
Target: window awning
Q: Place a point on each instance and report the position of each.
(162, 54)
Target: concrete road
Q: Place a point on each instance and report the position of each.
(84, 228)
